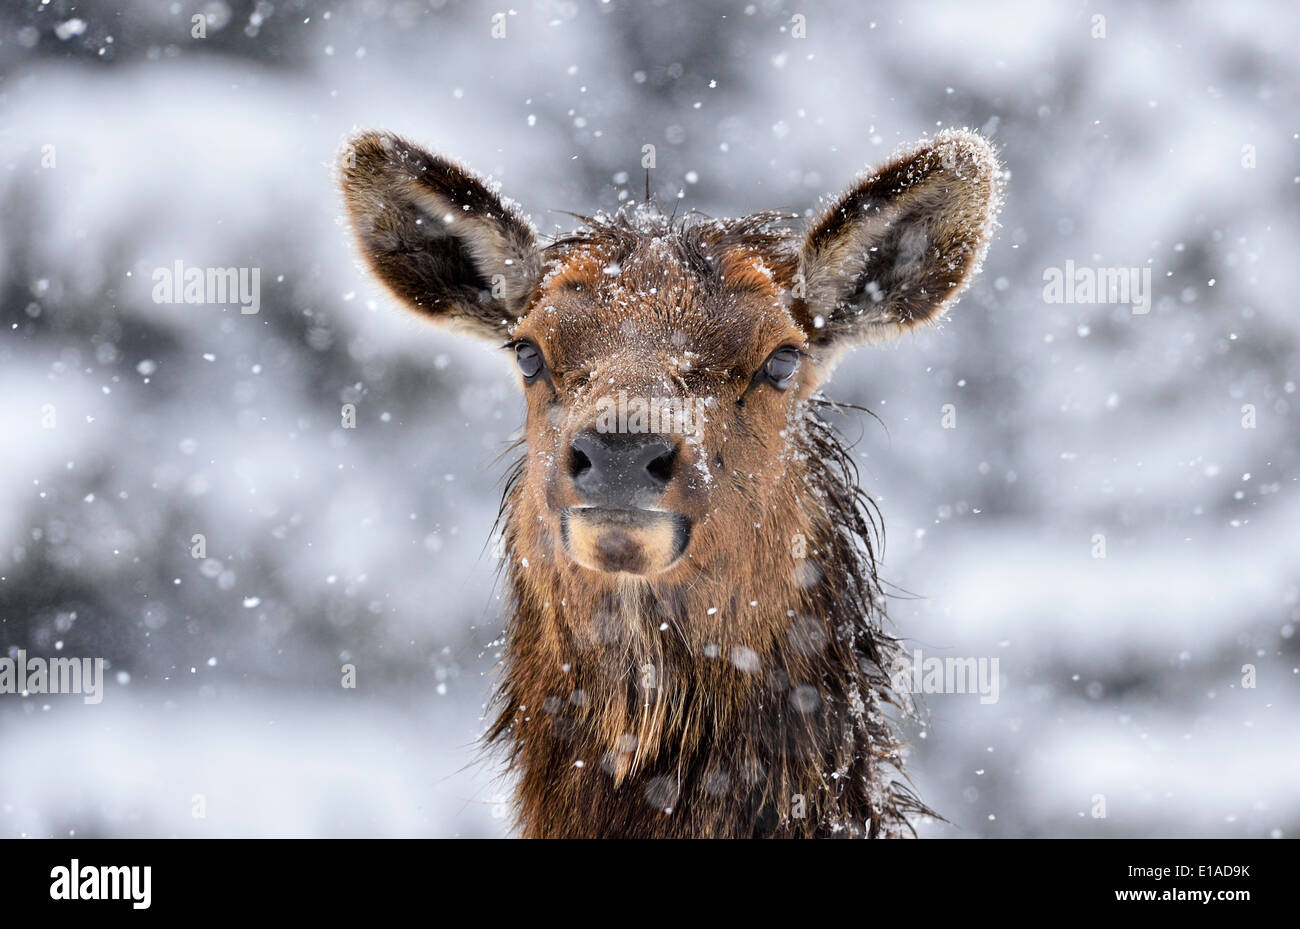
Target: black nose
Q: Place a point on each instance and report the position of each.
(621, 469)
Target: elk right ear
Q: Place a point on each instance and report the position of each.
(899, 247)
(436, 236)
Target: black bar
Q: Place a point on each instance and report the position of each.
(238, 877)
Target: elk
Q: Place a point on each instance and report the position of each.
(695, 643)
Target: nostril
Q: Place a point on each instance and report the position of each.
(661, 468)
(621, 470)
(579, 463)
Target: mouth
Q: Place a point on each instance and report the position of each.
(626, 541)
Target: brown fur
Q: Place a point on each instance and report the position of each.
(742, 688)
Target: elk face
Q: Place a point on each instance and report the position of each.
(660, 373)
(666, 368)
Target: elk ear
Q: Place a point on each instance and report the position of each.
(436, 236)
(900, 246)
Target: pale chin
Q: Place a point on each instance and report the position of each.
(624, 541)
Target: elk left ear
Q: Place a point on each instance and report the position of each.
(436, 236)
(900, 246)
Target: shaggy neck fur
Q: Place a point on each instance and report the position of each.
(628, 710)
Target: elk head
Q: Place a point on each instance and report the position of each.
(666, 366)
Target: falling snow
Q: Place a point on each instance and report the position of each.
(131, 427)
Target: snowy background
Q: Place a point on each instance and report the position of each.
(1121, 676)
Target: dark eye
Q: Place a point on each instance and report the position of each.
(780, 367)
(529, 358)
